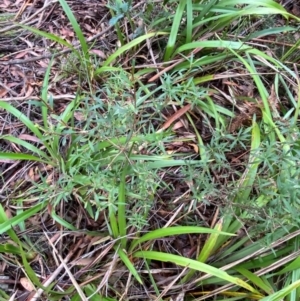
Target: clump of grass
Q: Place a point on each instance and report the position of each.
(103, 154)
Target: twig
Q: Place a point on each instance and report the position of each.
(56, 97)
(53, 276)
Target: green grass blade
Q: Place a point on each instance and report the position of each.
(26, 145)
(122, 207)
(278, 296)
(174, 30)
(270, 31)
(113, 222)
(193, 264)
(62, 222)
(189, 21)
(47, 35)
(6, 227)
(10, 232)
(213, 44)
(64, 118)
(45, 95)
(129, 265)
(248, 178)
(22, 157)
(295, 264)
(258, 3)
(206, 8)
(12, 249)
(130, 45)
(170, 231)
(23, 118)
(255, 280)
(8, 224)
(207, 248)
(246, 183)
(77, 30)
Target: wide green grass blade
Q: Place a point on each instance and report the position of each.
(23, 157)
(189, 21)
(14, 221)
(62, 222)
(213, 44)
(122, 207)
(245, 186)
(64, 119)
(207, 249)
(23, 118)
(280, 295)
(248, 178)
(258, 3)
(295, 264)
(270, 31)
(6, 227)
(113, 221)
(77, 30)
(10, 231)
(26, 145)
(129, 265)
(174, 30)
(44, 95)
(177, 230)
(47, 35)
(130, 45)
(204, 10)
(193, 264)
(12, 249)
(255, 280)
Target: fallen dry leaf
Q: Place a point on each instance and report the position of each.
(27, 284)
(2, 92)
(84, 261)
(7, 161)
(177, 125)
(79, 116)
(29, 90)
(29, 138)
(175, 116)
(20, 54)
(195, 147)
(98, 53)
